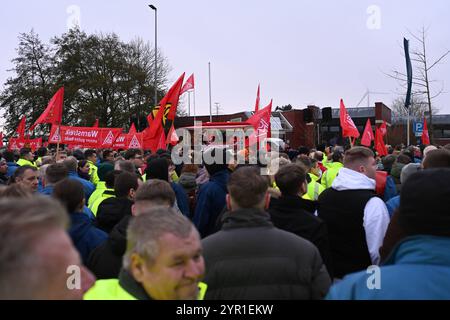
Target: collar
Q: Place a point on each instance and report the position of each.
(129, 284)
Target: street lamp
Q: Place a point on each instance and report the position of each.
(156, 51)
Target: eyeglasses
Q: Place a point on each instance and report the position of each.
(3, 164)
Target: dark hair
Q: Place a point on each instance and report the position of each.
(289, 178)
(247, 187)
(42, 151)
(70, 192)
(337, 156)
(305, 161)
(158, 191)
(403, 158)
(106, 153)
(20, 172)
(439, 158)
(110, 178)
(123, 183)
(131, 153)
(24, 151)
(89, 153)
(9, 156)
(158, 169)
(56, 172)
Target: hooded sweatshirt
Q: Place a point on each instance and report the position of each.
(376, 216)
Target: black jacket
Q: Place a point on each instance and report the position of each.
(287, 213)
(106, 260)
(111, 211)
(251, 259)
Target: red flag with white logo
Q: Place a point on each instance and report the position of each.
(348, 126)
(367, 136)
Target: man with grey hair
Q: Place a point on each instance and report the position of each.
(163, 260)
(106, 260)
(37, 257)
(71, 163)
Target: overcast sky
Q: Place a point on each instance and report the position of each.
(301, 52)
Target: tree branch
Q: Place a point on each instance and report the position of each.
(439, 60)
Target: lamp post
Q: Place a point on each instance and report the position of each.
(156, 51)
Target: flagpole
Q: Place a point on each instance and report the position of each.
(57, 144)
(210, 105)
(189, 103)
(407, 128)
(194, 103)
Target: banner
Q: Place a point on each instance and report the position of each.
(129, 141)
(19, 143)
(87, 137)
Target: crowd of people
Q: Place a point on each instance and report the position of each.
(136, 225)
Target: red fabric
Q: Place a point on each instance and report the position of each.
(95, 124)
(380, 179)
(21, 128)
(348, 126)
(380, 147)
(19, 143)
(425, 136)
(132, 129)
(87, 137)
(1, 139)
(383, 128)
(322, 167)
(261, 121)
(53, 113)
(154, 136)
(172, 137)
(367, 136)
(189, 84)
(257, 101)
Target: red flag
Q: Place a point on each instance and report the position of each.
(367, 136)
(383, 128)
(172, 137)
(95, 124)
(21, 128)
(189, 85)
(53, 113)
(348, 126)
(425, 136)
(380, 147)
(257, 100)
(261, 121)
(132, 129)
(167, 110)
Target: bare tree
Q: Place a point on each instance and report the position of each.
(417, 109)
(422, 82)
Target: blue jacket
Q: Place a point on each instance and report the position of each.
(182, 199)
(393, 204)
(88, 186)
(48, 190)
(210, 202)
(418, 268)
(12, 167)
(84, 235)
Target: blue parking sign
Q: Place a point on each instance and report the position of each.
(418, 128)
